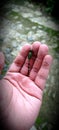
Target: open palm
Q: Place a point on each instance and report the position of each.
(25, 87)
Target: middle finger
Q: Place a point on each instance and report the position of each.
(43, 50)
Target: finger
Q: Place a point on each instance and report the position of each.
(43, 50)
(35, 47)
(2, 60)
(42, 75)
(20, 59)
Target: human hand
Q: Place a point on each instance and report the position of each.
(21, 93)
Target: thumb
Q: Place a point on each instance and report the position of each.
(2, 60)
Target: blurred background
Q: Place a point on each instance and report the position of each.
(26, 21)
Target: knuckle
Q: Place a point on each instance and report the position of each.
(35, 69)
(45, 64)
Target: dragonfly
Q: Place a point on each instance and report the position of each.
(30, 55)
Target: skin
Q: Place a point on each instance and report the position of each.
(21, 94)
(2, 60)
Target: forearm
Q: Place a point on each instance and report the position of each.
(5, 98)
(8, 117)
(5, 94)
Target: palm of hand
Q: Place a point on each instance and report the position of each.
(27, 90)
(25, 102)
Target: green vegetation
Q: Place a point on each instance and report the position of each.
(51, 6)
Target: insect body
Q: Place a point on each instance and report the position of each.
(30, 54)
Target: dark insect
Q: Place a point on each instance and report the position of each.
(30, 54)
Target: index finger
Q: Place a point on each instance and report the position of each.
(20, 59)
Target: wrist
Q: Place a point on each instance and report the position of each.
(5, 95)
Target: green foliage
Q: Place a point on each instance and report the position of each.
(51, 6)
(41, 124)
